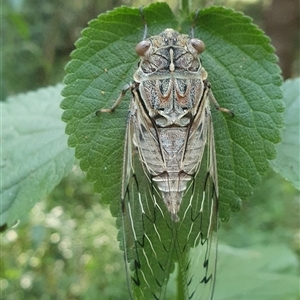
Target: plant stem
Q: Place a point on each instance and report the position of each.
(185, 7)
(180, 292)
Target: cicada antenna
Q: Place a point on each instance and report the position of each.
(194, 23)
(145, 23)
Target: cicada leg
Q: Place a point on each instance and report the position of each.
(117, 102)
(215, 102)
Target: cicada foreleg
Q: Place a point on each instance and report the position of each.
(215, 102)
(117, 102)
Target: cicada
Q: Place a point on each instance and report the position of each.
(169, 197)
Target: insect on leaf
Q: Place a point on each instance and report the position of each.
(168, 130)
(184, 161)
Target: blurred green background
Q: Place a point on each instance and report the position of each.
(66, 248)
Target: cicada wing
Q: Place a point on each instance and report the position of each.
(196, 234)
(153, 243)
(147, 241)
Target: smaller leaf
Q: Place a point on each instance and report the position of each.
(35, 155)
(287, 161)
(262, 273)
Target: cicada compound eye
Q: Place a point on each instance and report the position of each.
(198, 45)
(142, 47)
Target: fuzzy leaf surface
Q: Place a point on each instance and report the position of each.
(242, 70)
(287, 162)
(35, 155)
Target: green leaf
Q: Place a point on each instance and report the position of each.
(35, 156)
(261, 273)
(287, 161)
(243, 72)
(245, 78)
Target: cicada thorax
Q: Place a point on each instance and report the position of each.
(169, 112)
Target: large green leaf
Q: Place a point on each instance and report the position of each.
(245, 78)
(243, 72)
(288, 154)
(34, 153)
(261, 273)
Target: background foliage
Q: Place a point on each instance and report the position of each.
(66, 248)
